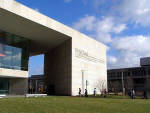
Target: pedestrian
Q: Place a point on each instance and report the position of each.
(94, 92)
(105, 93)
(79, 92)
(129, 93)
(132, 94)
(86, 93)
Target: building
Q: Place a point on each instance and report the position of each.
(137, 78)
(71, 59)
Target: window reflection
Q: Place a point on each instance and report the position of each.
(14, 52)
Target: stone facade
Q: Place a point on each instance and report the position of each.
(88, 64)
(57, 69)
(66, 64)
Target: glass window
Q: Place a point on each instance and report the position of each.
(14, 52)
(4, 85)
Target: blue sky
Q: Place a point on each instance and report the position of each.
(123, 25)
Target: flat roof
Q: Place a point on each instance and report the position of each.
(44, 32)
(128, 68)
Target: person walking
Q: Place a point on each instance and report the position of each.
(132, 94)
(94, 92)
(129, 93)
(79, 92)
(105, 93)
(86, 93)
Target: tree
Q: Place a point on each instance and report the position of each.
(101, 85)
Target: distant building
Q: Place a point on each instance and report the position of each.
(137, 78)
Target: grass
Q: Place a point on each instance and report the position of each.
(55, 104)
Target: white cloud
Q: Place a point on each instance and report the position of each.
(123, 60)
(106, 26)
(111, 59)
(86, 23)
(137, 11)
(133, 11)
(119, 28)
(129, 51)
(67, 1)
(101, 29)
(138, 44)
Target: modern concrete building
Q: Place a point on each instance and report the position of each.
(137, 78)
(72, 59)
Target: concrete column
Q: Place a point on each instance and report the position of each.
(58, 69)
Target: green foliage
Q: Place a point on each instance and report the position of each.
(55, 104)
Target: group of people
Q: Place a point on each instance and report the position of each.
(94, 93)
(32, 90)
(86, 92)
(132, 94)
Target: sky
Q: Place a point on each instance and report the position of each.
(122, 25)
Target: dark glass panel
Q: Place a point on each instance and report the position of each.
(4, 85)
(14, 51)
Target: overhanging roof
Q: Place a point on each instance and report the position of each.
(44, 33)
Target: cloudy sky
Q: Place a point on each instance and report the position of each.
(123, 25)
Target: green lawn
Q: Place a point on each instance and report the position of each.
(73, 105)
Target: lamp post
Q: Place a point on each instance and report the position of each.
(86, 84)
(123, 90)
(82, 81)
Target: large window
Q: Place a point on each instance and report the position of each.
(14, 52)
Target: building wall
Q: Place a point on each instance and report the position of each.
(57, 70)
(89, 59)
(18, 86)
(13, 73)
(18, 80)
